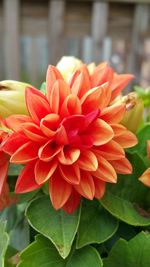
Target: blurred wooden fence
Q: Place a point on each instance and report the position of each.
(34, 34)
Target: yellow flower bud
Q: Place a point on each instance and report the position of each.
(12, 98)
(134, 112)
(68, 65)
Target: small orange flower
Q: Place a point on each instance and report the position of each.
(72, 138)
(145, 178)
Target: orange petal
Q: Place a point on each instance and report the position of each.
(44, 170)
(105, 96)
(37, 104)
(105, 171)
(86, 188)
(59, 93)
(68, 155)
(26, 180)
(91, 99)
(101, 132)
(14, 142)
(70, 173)
(70, 106)
(119, 82)
(52, 76)
(99, 188)
(110, 151)
(118, 129)
(122, 166)
(81, 85)
(113, 114)
(88, 161)
(48, 151)
(33, 132)
(128, 139)
(102, 73)
(49, 124)
(60, 190)
(145, 178)
(61, 137)
(4, 163)
(72, 203)
(14, 122)
(25, 153)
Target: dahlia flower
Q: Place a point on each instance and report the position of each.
(145, 177)
(72, 138)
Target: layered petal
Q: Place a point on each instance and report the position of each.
(60, 190)
(145, 178)
(99, 188)
(48, 151)
(44, 170)
(68, 155)
(119, 82)
(113, 114)
(26, 180)
(73, 202)
(105, 171)
(4, 163)
(86, 188)
(88, 161)
(122, 166)
(110, 151)
(26, 153)
(71, 173)
(101, 132)
(37, 104)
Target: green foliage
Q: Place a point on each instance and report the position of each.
(4, 241)
(100, 225)
(134, 253)
(58, 226)
(42, 253)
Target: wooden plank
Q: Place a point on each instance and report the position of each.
(99, 27)
(56, 29)
(11, 39)
(140, 25)
(115, 1)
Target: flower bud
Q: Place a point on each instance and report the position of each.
(68, 65)
(134, 112)
(12, 98)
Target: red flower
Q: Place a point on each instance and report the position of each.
(72, 138)
(145, 177)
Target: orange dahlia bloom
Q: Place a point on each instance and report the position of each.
(145, 178)
(72, 138)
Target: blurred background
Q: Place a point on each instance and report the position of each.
(35, 33)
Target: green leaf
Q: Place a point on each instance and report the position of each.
(125, 210)
(129, 198)
(58, 226)
(14, 169)
(96, 224)
(128, 186)
(4, 240)
(42, 253)
(134, 253)
(143, 135)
